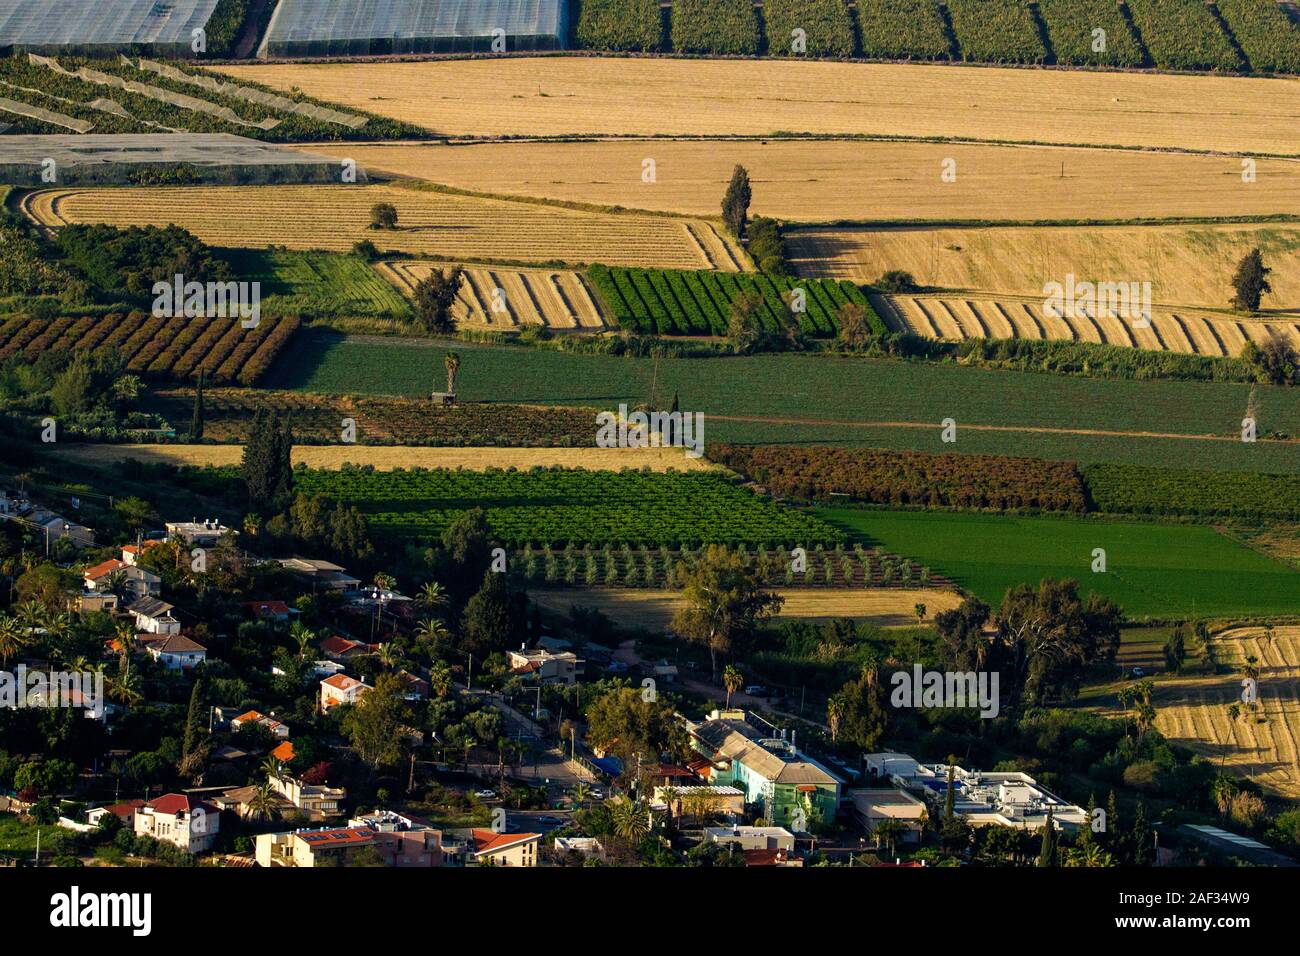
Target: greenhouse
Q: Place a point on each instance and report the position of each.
(78, 26)
(366, 27)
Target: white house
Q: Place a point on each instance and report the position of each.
(198, 534)
(277, 729)
(340, 689)
(176, 652)
(137, 582)
(153, 616)
(182, 821)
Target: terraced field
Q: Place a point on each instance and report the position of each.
(838, 180)
(1187, 265)
(507, 299)
(590, 96)
(1196, 332)
(1263, 747)
(429, 223)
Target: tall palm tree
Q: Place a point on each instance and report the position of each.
(431, 631)
(439, 679)
(273, 768)
(302, 635)
(451, 362)
(385, 581)
(581, 794)
(432, 595)
(12, 638)
(30, 614)
(732, 680)
(389, 655)
(125, 686)
(631, 820)
(264, 804)
(836, 707)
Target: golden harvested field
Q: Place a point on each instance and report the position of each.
(835, 180)
(632, 607)
(957, 317)
(387, 457)
(1187, 265)
(505, 299)
(429, 223)
(1194, 712)
(565, 96)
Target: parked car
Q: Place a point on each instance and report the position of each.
(596, 793)
(756, 690)
(485, 794)
(555, 821)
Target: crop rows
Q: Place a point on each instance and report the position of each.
(903, 30)
(672, 302)
(877, 476)
(1183, 35)
(825, 27)
(621, 25)
(176, 348)
(554, 507)
(1133, 489)
(996, 31)
(1264, 32)
(1072, 26)
(715, 26)
(228, 415)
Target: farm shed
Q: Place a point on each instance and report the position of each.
(102, 26)
(364, 27)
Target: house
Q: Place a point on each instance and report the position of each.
(703, 801)
(135, 582)
(341, 648)
(283, 752)
(318, 801)
(327, 668)
(396, 840)
(252, 718)
(176, 652)
(131, 553)
(488, 848)
(871, 807)
(180, 820)
(752, 838)
(414, 688)
(198, 534)
(770, 858)
(124, 811)
(1008, 799)
(88, 602)
(549, 668)
(276, 612)
(154, 616)
(790, 787)
(340, 689)
(322, 574)
(587, 847)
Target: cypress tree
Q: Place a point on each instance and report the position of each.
(1047, 853)
(1085, 832)
(735, 204)
(1112, 840)
(196, 420)
(949, 797)
(1250, 282)
(1140, 837)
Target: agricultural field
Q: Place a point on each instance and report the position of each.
(508, 299)
(1134, 490)
(591, 96)
(1187, 265)
(430, 223)
(317, 283)
(178, 348)
(907, 478)
(1152, 570)
(654, 609)
(854, 180)
(317, 419)
(1270, 40)
(116, 95)
(1071, 24)
(802, 399)
(554, 507)
(903, 30)
(995, 31)
(698, 303)
(1183, 35)
(1187, 331)
(391, 457)
(1261, 746)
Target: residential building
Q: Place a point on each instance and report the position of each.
(340, 689)
(132, 553)
(283, 752)
(701, 801)
(15, 506)
(771, 858)
(480, 847)
(135, 582)
(180, 820)
(871, 807)
(88, 602)
(253, 717)
(318, 801)
(341, 648)
(277, 612)
(414, 688)
(1009, 799)
(395, 840)
(549, 668)
(789, 787)
(176, 652)
(124, 811)
(198, 534)
(323, 575)
(752, 838)
(154, 616)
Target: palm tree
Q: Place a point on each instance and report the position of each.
(30, 614)
(125, 686)
(385, 581)
(631, 819)
(57, 624)
(451, 361)
(889, 831)
(432, 595)
(12, 638)
(302, 635)
(432, 631)
(836, 707)
(252, 524)
(670, 798)
(390, 655)
(264, 804)
(1234, 715)
(581, 794)
(273, 768)
(440, 678)
(732, 680)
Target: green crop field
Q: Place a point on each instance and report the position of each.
(317, 283)
(1152, 570)
(558, 506)
(808, 399)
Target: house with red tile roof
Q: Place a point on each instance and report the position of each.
(340, 689)
(276, 611)
(124, 811)
(131, 553)
(252, 717)
(488, 848)
(181, 820)
(136, 582)
(340, 648)
(283, 753)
